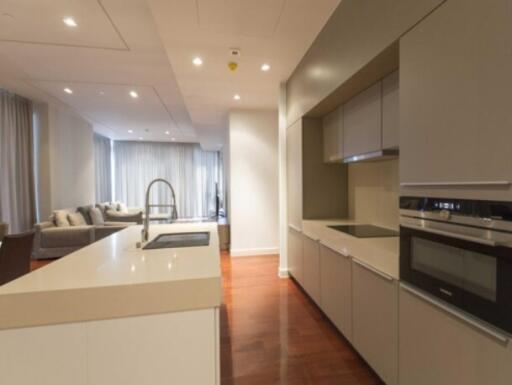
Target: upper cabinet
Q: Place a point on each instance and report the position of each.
(362, 122)
(455, 116)
(390, 116)
(333, 135)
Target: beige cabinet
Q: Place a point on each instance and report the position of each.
(362, 122)
(333, 135)
(311, 257)
(390, 117)
(294, 174)
(437, 347)
(295, 254)
(455, 82)
(336, 289)
(375, 320)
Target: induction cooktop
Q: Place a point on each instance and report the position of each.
(365, 231)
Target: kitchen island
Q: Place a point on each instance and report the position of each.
(112, 313)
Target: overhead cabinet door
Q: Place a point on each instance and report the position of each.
(333, 135)
(362, 122)
(455, 110)
(390, 110)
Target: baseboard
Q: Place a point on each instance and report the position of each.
(253, 252)
(283, 273)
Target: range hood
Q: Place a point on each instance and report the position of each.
(374, 156)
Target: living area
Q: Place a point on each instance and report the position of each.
(69, 186)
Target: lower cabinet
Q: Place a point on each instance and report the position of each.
(375, 320)
(295, 255)
(311, 276)
(336, 289)
(438, 347)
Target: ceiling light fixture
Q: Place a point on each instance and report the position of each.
(197, 61)
(68, 90)
(70, 22)
(140, 137)
(130, 131)
(237, 97)
(173, 139)
(134, 94)
(265, 67)
(167, 133)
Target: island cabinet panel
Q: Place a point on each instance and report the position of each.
(362, 122)
(375, 320)
(390, 112)
(333, 135)
(336, 289)
(295, 255)
(312, 268)
(439, 347)
(455, 82)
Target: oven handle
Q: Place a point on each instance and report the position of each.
(463, 237)
(485, 329)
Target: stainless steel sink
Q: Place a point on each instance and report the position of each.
(175, 240)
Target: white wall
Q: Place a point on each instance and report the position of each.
(66, 160)
(254, 188)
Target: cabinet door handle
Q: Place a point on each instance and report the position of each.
(374, 270)
(334, 250)
(294, 228)
(496, 183)
(457, 314)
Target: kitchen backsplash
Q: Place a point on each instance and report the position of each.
(373, 191)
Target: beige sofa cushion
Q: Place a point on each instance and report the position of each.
(76, 219)
(60, 218)
(96, 216)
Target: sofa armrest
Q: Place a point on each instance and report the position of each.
(75, 236)
(116, 216)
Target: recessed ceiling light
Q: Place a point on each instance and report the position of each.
(173, 139)
(130, 131)
(68, 90)
(140, 138)
(237, 97)
(167, 133)
(265, 67)
(70, 22)
(134, 94)
(197, 61)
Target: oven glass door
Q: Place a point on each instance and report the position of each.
(472, 276)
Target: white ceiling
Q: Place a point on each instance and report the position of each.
(148, 46)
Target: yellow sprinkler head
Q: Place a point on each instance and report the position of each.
(232, 66)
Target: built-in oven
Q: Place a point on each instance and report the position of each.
(461, 252)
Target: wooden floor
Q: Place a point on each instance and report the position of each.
(271, 333)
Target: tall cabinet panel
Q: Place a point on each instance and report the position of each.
(294, 174)
(455, 83)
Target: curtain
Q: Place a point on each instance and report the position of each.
(193, 173)
(103, 168)
(17, 197)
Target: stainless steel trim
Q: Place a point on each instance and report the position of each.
(496, 183)
(334, 250)
(504, 339)
(294, 228)
(487, 242)
(373, 270)
(375, 155)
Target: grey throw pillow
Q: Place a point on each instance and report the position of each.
(76, 219)
(96, 216)
(84, 210)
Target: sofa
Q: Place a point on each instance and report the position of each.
(69, 230)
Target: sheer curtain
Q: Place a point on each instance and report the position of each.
(193, 173)
(17, 198)
(103, 168)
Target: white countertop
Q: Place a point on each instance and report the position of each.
(379, 253)
(112, 278)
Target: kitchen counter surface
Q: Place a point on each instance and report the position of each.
(379, 253)
(112, 278)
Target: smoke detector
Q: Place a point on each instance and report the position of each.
(235, 52)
